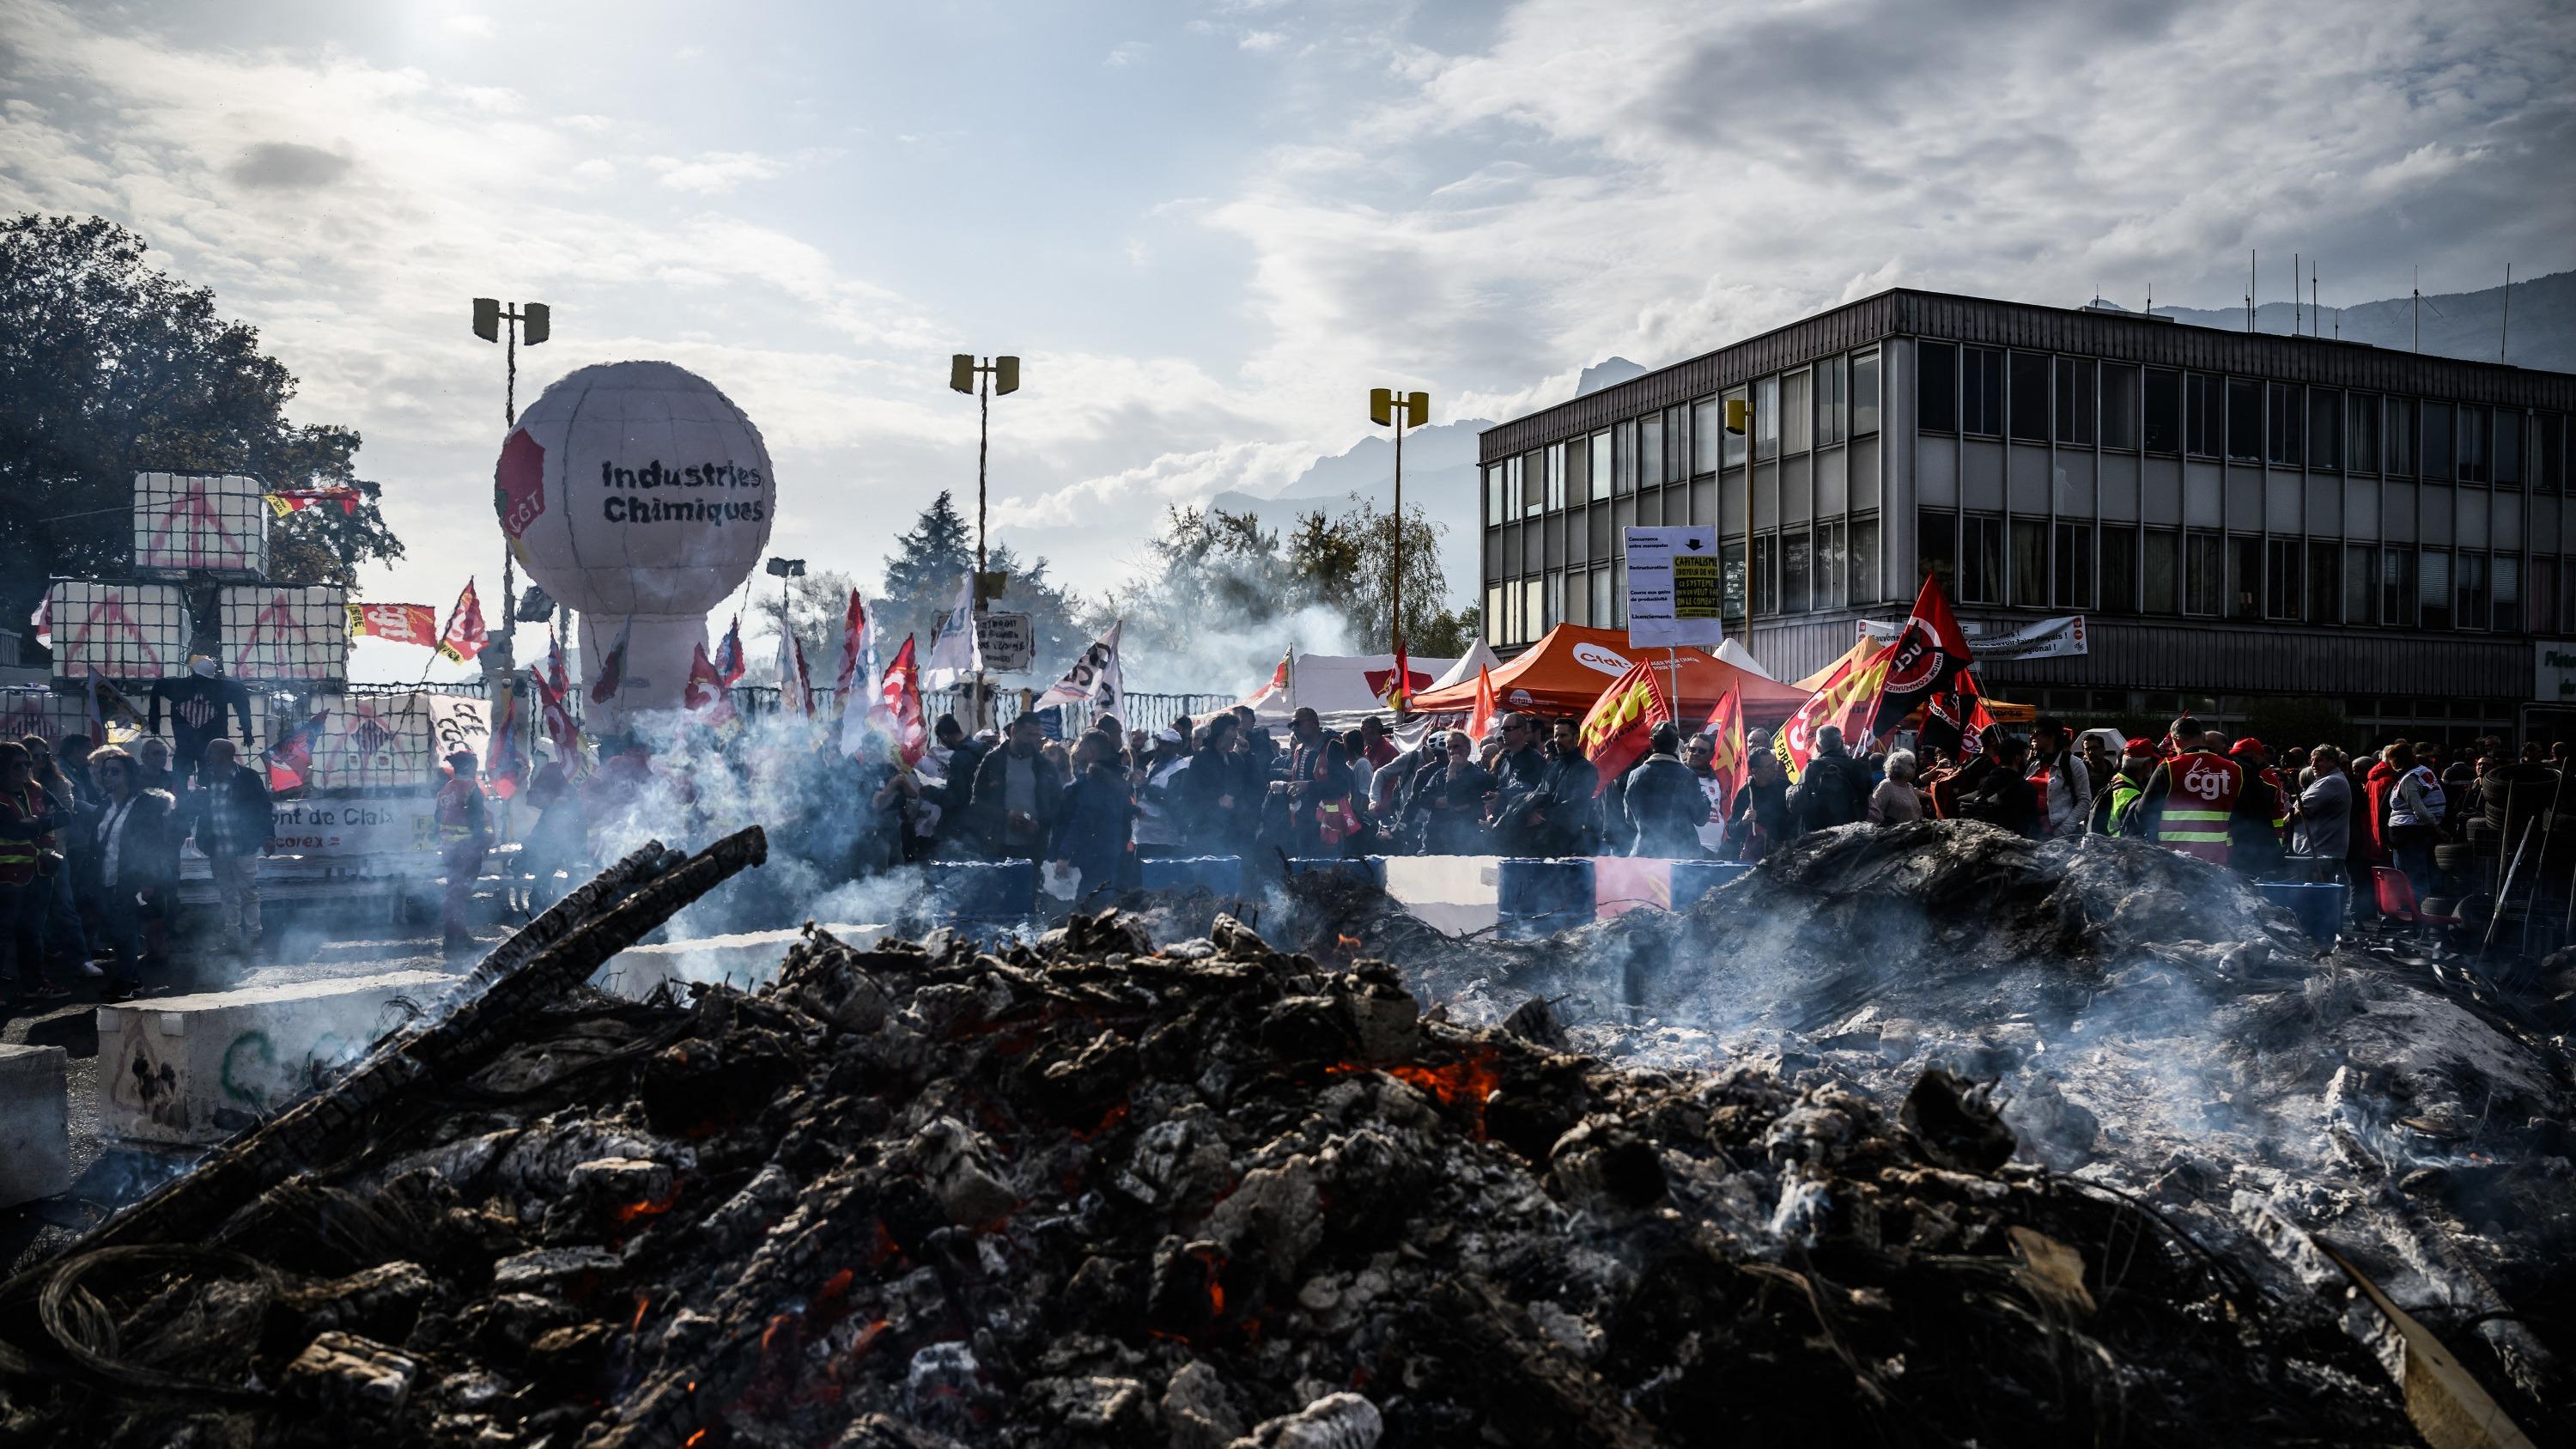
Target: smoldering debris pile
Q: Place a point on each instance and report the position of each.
(2147, 1023)
(1093, 1192)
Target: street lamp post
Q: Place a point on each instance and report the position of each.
(535, 322)
(1387, 407)
(994, 375)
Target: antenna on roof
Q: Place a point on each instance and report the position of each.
(2253, 283)
(2314, 315)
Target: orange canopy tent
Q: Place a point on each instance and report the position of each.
(1566, 671)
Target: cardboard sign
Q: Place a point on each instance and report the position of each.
(1009, 642)
(1676, 588)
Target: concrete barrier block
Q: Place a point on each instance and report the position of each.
(35, 1124)
(1452, 892)
(196, 1069)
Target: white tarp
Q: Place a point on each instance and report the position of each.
(2047, 639)
(1326, 683)
(1733, 652)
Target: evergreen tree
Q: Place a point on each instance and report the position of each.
(922, 576)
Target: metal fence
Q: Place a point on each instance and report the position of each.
(1144, 711)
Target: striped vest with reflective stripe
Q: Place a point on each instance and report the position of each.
(2200, 797)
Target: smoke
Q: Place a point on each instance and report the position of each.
(1229, 651)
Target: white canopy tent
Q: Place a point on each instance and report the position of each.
(1339, 683)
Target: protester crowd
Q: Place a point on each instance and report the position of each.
(89, 839)
(89, 859)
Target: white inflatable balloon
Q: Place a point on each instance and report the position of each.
(639, 495)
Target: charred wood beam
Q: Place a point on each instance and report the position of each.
(326, 1124)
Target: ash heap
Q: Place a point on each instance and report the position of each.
(1923, 1136)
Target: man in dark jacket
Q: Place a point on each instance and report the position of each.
(2000, 795)
(136, 862)
(229, 813)
(1665, 801)
(1093, 822)
(1834, 788)
(1761, 820)
(1450, 800)
(965, 752)
(1220, 794)
(1562, 815)
(1017, 794)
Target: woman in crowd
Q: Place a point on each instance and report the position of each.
(1894, 801)
(135, 860)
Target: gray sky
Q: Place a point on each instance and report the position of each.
(1210, 228)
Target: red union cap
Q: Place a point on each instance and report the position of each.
(2140, 745)
(2246, 746)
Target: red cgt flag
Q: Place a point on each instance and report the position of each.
(1480, 720)
(1725, 730)
(1923, 660)
(463, 638)
(901, 692)
(1621, 725)
(705, 692)
(395, 623)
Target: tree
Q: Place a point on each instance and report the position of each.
(924, 573)
(816, 604)
(109, 368)
(1359, 560)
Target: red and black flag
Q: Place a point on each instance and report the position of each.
(1930, 656)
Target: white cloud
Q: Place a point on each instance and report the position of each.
(471, 26)
(714, 171)
(1258, 40)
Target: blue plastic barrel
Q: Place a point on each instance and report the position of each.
(1695, 878)
(1220, 874)
(2317, 907)
(1371, 868)
(1535, 898)
(982, 895)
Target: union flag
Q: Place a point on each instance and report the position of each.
(1480, 719)
(399, 623)
(1725, 730)
(1621, 724)
(1844, 700)
(291, 758)
(901, 692)
(463, 638)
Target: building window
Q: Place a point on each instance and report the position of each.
(1730, 573)
(2553, 452)
(1981, 391)
(1676, 448)
(2323, 591)
(2119, 571)
(2075, 402)
(2164, 411)
(1981, 559)
(1864, 394)
(1832, 415)
(2473, 445)
(2433, 460)
(2505, 585)
(1796, 562)
(2244, 421)
(1936, 547)
(2203, 416)
(2540, 601)
(1555, 476)
(1730, 446)
(2119, 405)
(1650, 454)
(2433, 573)
(1766, 418)
(1796, 422)
(2029, 397)
(1862, 577)
(2204, 576)
(2397, 588)
(2397, 443)
(1600, 461)
(2073, 573)
(1555, 614)
(1600, 583)
(2244, 576)
(2361, 434)
(2325, 430)
(2162, 573)
(1497, 618)
(1832, 563)
(1706, 428)
(1494, 495)
(1936, 387)
(2472, 595)
(1618, 593)
(2359, 577)
(2281, 593)
(1533, 608)
(1528, 489)
(1766, 574)
(2289, 423)
(2508, 447)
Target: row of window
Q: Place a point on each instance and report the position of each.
(2033, 397)
(2125, 569)
(1819, 406)
(1833, 565)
